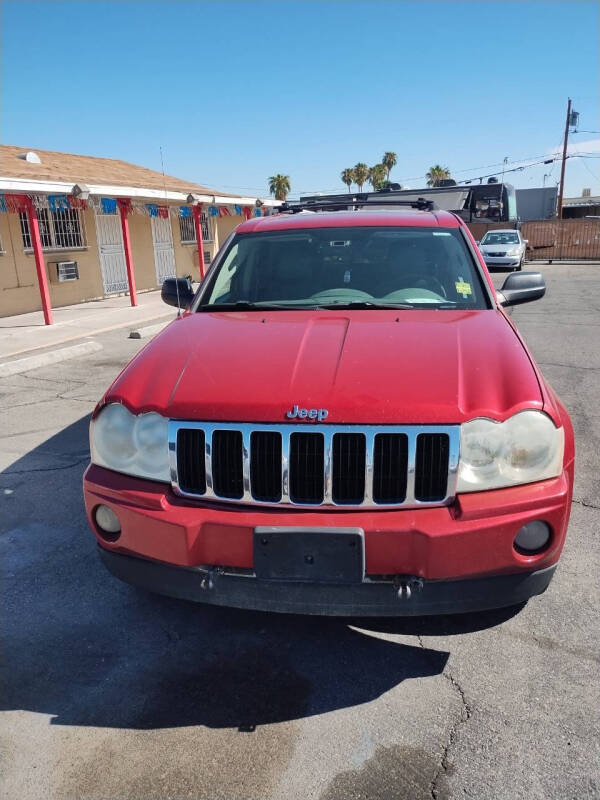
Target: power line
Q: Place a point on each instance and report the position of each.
(544, 158)
(515, 166)
(591, 173)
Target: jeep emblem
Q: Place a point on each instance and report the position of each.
(308, 413)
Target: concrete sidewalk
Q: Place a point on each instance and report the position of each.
(24, 333)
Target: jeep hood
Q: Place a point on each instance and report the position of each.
(379, 367)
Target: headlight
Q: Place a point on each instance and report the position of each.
(135, 445)
(523, 449)
(513, 252)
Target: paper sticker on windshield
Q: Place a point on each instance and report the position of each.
(464, 288)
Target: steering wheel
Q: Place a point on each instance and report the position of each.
(341, 294)
(421, 281)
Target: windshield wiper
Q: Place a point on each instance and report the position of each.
(246, 305)
(241, 305)
(363, 304)
(366, 304)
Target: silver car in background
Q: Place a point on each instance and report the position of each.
(504, 249)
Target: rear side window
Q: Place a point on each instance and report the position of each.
(413, 267)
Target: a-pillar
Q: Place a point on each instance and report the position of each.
(124, 209)
(199, 239)
(36, 243)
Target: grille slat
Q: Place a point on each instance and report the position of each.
(431, 476)
(349, 454)
(348, 466)
(390, 465)
(307, 451)
(190, 462)
(227, 466)
(265, 466)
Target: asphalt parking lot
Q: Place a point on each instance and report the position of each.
(108, 692)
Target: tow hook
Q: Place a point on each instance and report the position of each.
(208, 581)
(406, 585)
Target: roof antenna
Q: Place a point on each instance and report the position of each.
(162, 164)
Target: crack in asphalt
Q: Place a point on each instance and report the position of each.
(566, 366)
(50, 400)
(466, 712)
(78, 399)
(465, 715)
(549, 644)
(49, 380)
(58, 396)
(54, 468)
(584, 504)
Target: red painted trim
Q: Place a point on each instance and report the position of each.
(40, 266)
(124, 209)
(199, 240)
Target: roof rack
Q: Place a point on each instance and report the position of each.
(356, 201)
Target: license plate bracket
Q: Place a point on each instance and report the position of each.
(309, 555)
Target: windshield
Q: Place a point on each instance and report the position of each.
(346, 267)
(500, 238)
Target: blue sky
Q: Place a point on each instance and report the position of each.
(236, 91)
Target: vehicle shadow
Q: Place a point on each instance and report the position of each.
(89, 650)
(442, 625)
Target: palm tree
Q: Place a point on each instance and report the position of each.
(279, 186)
(437, 174)
(361, 174)
(377, 176)
(389, 161)
(347, 177)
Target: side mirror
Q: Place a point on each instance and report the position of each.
(177, 292)
(522, 287)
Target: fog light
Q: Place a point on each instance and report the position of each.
(532, 538)
(108, 522)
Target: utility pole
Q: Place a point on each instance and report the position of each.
(504, 163)
(564, 161)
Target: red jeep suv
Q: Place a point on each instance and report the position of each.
(344, 421)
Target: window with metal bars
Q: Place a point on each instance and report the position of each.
(59, 230)
(187, 229)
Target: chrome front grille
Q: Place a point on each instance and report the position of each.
(346, 466)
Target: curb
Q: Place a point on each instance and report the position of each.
(86, 335)
(148, 330)
(45, 359)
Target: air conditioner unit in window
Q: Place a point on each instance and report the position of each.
(61, 271)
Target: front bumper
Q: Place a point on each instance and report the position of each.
(402, 597)
(505, 261)
(448, 548)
